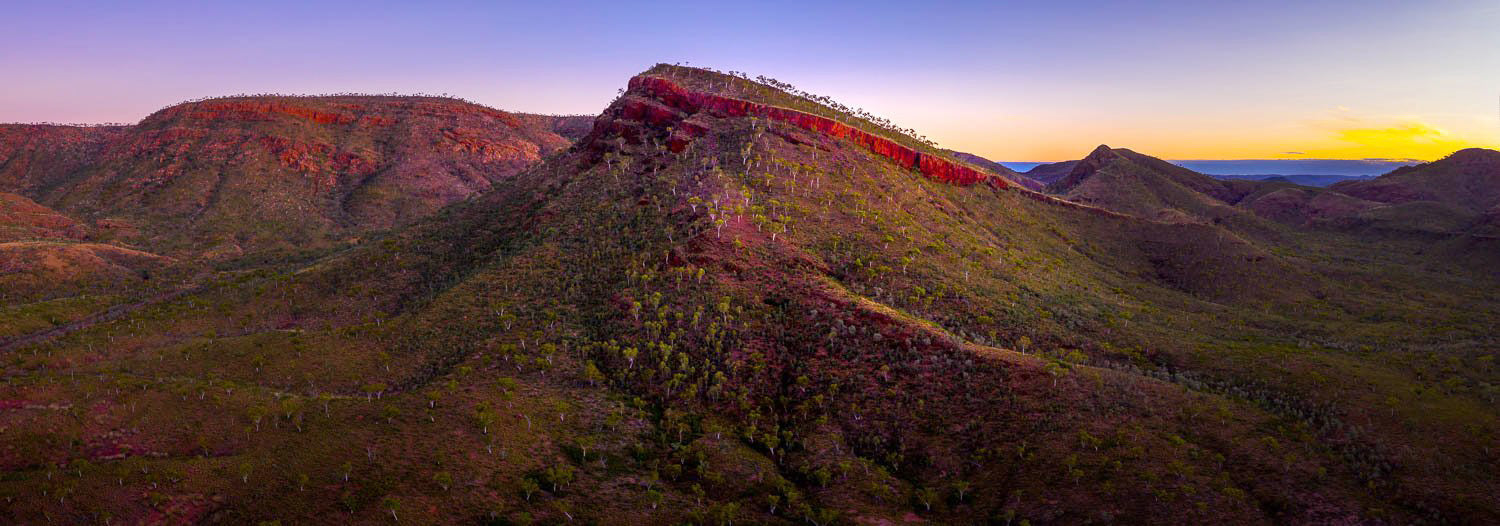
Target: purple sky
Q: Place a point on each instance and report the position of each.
(1023, 81)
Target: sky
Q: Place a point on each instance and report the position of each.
(1016, 81)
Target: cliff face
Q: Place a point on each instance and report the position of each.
(254, 172)
(664, 103)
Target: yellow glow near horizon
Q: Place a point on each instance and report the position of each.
(1408, 140)
(1344, 137)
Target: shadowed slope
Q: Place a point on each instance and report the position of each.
(1468, 179)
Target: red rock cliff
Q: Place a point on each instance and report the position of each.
(675, 97)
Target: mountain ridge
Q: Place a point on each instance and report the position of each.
(277, 172)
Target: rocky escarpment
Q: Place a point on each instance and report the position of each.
(661, 102)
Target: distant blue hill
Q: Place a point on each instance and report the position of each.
(1354, 167)
(1302, 179)
(1310, 172)
(1022, 167)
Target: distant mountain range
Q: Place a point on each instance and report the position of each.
(1306, 172)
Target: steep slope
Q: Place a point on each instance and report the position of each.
(726, 304)
(252, 173)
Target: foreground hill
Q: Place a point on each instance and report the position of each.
(250, 173)
(728, 303)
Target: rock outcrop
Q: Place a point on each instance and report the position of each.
(665, 103)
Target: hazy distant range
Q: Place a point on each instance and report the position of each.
(1310, 172)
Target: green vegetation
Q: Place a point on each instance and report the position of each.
(774, 328)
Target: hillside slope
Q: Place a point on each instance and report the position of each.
(22, 219)
(1144, 186)
(1468, 179)
(1453, 195)
(252, 173)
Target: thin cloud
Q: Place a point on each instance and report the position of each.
(1383, 138)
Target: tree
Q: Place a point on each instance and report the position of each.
(528, 486)
(591, 373)
(373, 390)
(443, 479)
(558, 476)
(486, 418)
(562, 507)
(961, 487)
(821, 476)
(822, 516)
(584, 443)
(726, 513)
(257, 412)
(927, 496)
(391, 504)
(244, 469)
